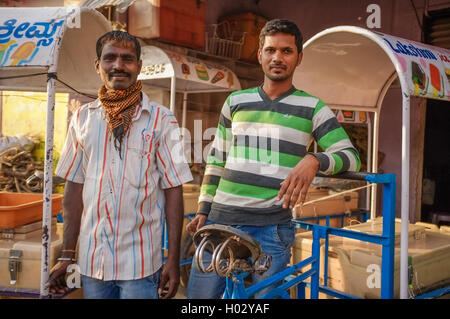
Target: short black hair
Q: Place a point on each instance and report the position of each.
(283, 26)
(121, 37)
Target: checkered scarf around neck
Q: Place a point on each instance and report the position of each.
(120, 106)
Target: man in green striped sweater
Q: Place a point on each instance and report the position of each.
(258, 166)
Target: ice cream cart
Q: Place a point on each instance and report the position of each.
(53, 50)
(352, 68)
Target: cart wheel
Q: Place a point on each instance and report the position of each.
(186, 253)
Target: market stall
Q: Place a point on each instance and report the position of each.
(351, 68)
(53, 50)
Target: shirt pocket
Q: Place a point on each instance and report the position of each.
(141, 160)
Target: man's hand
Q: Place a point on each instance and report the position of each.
(196, 223)
(57, 280)
(297, 182)
(170, 273)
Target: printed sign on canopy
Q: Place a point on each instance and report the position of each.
(29, 39)
(192, 75)
(426, 68)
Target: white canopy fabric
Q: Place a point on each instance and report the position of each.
(192, 75)
(54, 41)
(31, 37)
(351, 68)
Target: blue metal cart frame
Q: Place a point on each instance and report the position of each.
(235, 285)
(235, 288)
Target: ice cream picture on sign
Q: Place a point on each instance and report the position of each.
(230, 79)
(23, 53)
(202, 73)
(219, 76)
(185, 70)
(436, 81)
(419, 78)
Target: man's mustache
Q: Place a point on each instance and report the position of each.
(277, 66)
(115, 73)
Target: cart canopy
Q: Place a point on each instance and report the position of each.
(352, 67)
(192, 75)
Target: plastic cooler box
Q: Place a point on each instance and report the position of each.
(17, 209)
(20, 259)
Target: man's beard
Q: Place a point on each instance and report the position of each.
(278, 78)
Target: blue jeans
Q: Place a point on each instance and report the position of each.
(146, 288)
(275, 240)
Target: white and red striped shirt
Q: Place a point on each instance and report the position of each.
(123, 197)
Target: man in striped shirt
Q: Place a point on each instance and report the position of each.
(124, 165)
(258, 165)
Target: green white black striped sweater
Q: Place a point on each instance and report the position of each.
(258, 141)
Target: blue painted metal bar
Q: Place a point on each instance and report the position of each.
(364, 176)
(335, 293)
(228, 288)
(365, 217)
(375, 239)
(190, 216)
(280, 290)
(186, 262)
(285, 295)
(387, 259)
(332, 292)
(363, 214)
(381, 178)
(316, 264)
(238, 286)
(301, 290)
(279, 276)
(325, 275)
(435, 293)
